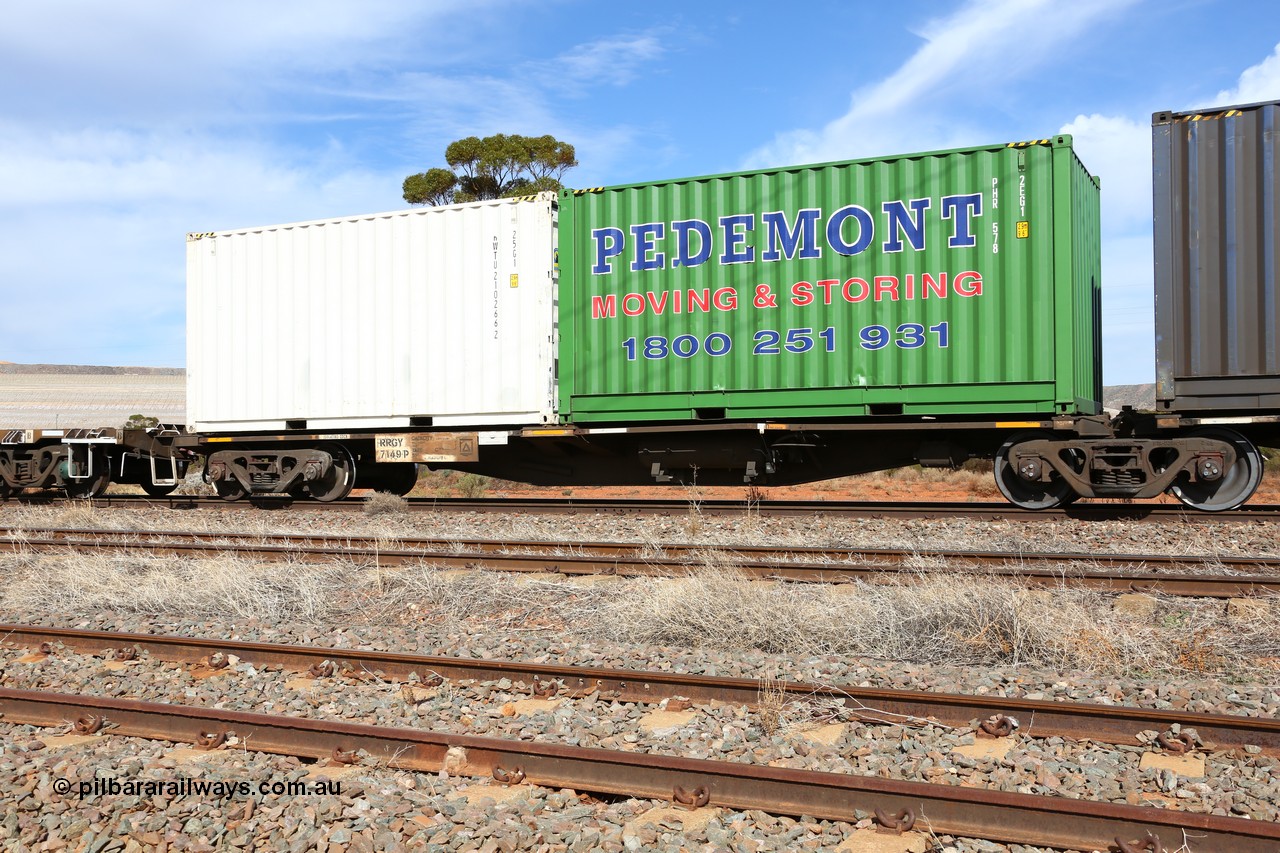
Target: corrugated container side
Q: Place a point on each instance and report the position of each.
(1084, 208)
(440, 315)
(943, 283)
(1217, 275)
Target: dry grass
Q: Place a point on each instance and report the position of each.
(385, 503)
(974, 478)
(193, 484)
(216, 587)
(929, 616)
(79, 514)
(933, 617)
(496, 599)
(773, 707)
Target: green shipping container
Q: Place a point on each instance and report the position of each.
(949, 283)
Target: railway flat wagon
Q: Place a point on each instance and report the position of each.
(766, 327)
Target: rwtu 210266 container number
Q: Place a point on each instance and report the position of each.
(775, 326)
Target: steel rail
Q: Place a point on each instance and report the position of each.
(637, 506)
(1039, 718)
(954, 810)
(634, 551)
(1199, 585)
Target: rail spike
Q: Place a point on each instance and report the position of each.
(515, 777)
(898, 823)
(1150, 844)
(695, 799)
(997, 725)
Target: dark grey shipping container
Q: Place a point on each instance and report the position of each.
(1217, 274)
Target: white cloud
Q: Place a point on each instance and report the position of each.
(1259, 82)
(964, 54)
(612, 60)
(92, 232)
(1128, 307)
(447, 106)
(1118, 150)
(138, 123)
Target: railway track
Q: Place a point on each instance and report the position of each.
(1124, 573)
(1082, 721)
(950, 809)
(575, 506)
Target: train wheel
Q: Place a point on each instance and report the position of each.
(1236, 485)
(157, 491)
(1029, 494)
(401, 479)
(337, 484)
(90, 487)
(229, 490)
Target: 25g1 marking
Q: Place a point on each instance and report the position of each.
(906, 336)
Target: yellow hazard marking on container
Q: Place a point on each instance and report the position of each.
(1030, 142)
(1210, 116)
(191, 238)
(212, 440)
(588, 190)
(1009, 424)
(548, 432)
(1024, 229)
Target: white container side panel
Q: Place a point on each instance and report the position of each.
(444, 313)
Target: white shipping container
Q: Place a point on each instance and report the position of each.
(442, 313)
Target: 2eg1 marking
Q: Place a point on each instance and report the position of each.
(906, 336)
(656, 347)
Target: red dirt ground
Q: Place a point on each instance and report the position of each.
(958, 487)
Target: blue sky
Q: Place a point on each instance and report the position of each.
(126, 125)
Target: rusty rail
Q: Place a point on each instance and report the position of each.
(589, 506)
(687, 552)
(623, 559)
(954, 810)
(1039, 718)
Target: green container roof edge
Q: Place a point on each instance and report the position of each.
(1060, 140)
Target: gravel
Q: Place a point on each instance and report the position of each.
(1235, 784)
(377, 808)
(1246, 784)
(1191, 535)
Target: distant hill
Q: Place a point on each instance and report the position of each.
(89, 370)
(60, 396)
(1141, 397)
